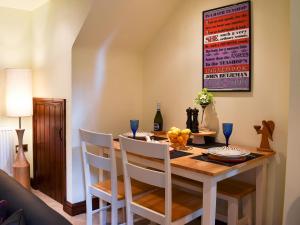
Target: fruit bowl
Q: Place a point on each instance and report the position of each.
(178, 138)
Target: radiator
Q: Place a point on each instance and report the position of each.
(7, 139)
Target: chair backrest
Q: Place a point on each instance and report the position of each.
(146, 175)
(100, 162)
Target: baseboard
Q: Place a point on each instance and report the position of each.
(74, 209)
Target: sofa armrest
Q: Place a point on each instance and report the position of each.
(35, 210)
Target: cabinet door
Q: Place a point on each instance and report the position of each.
(49, 150)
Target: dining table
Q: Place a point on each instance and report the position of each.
(189, 165)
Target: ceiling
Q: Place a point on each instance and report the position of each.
(133, 23)
(27, 5)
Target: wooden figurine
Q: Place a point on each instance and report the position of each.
(266, 133)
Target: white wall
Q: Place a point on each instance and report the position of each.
(55, 28)
(107, 69)
(107, 93)
(172, 76)
(15, 52)
(292, 186)
(107, 90)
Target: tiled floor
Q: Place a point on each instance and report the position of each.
(80, 219)
(76, 220)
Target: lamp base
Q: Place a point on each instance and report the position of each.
(21, 167)
(21, 172)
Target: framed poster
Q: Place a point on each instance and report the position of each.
(227, 48)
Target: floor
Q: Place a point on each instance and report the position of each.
(76, 220)
(80, 219)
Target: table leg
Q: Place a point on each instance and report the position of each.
(209, 202)
(261, 173)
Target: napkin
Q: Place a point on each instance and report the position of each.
(148, 139)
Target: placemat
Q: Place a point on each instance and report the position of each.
(156, 138)
(204, 157)
(206, 145)
(177, 154)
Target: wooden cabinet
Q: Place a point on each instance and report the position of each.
(49, 147)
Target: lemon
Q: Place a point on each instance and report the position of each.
(177, 131)
(173, 128)
(186, 131)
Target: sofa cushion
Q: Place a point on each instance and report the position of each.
(3, 210)
(16, 218)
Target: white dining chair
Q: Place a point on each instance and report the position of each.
(110, 190)
(237, 194)
(167, 205)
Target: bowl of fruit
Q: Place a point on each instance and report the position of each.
(178, 138)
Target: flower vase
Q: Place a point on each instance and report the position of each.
(203, 126)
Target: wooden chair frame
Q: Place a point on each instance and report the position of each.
(232, 217)
(161, 179)
(103, 164)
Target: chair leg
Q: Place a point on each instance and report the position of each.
(129, 216)
(233, 212)
(247, 208)
(114, 215)
(103, 213)
(89, 209)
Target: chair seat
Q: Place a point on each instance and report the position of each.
(183, 203)
(235, 188)
(229, 187)
(137, 187)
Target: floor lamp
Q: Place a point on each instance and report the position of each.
(19, 104)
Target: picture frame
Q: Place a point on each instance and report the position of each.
(226, 48)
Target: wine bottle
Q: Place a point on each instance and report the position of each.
(158, 119)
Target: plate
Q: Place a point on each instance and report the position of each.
(229, 152)
(228, 159)
(138, 134)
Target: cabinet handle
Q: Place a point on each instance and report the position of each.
(60, 134)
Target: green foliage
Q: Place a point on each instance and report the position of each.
(204, 97)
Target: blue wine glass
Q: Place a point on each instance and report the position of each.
(227, 131)
(134, 124)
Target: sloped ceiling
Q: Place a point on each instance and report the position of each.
(27, 5)
(132, 23)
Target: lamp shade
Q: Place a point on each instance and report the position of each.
(18, 92)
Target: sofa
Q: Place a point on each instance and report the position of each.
(36, 212)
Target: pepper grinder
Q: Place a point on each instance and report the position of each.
(195, 123)
(189, 121)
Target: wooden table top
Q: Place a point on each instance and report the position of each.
(208, 168)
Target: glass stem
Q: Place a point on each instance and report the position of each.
(227, 142)
(203, 110)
